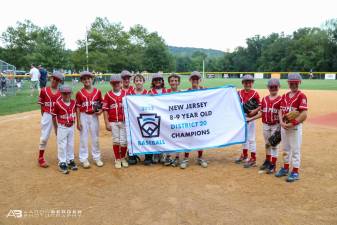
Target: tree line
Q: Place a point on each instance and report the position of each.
(112, 48)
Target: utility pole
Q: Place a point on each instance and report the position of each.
(203, 69)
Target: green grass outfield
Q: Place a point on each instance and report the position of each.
(22, 101)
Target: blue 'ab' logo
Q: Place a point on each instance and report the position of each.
(149, 125)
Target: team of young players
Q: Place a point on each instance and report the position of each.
(60, 111)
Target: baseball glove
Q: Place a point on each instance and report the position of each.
(250, 105)
(290, 116)
(275, 138)
(97, 106)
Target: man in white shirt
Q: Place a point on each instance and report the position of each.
(34, 79)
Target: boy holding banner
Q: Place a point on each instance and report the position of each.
(174, 82)
(195, 79)
(139, 89)
(114, 120)
(246, 94)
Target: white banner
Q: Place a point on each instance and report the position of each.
(258, 75)
(184, 121)
(330, 76)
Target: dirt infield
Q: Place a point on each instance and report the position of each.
(224, 193)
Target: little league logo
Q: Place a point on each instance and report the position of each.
(149, 125)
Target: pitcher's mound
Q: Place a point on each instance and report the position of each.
(325, 120)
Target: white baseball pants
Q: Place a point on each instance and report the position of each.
(268, 130)
(251, 139)
(65, 143)
(90, 124)
(46, 127)
(291, 143)
(118, 133)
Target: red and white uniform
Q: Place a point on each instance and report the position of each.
(90, 123)
(292, 137)
(129, 89)
(112, 104)
(155, 91)
(270, 119)
(65, 117)
(47, 101)
(133, 92)
(250, 144)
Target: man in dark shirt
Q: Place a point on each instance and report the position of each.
(43, 77)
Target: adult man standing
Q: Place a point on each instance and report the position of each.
(34, 79)
(43, 76)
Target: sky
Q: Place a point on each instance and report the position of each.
(216, 24)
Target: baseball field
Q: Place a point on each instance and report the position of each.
(224, 193)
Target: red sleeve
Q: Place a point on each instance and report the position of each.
(303, 103)
(55, 109)
(41, 100)
(78, 99)
(257, 97)
(105, 102)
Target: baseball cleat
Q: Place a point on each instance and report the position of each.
(72, 165)
(125, 164)
(85, 164)
(148, 160)
(250, 163)
(168, 161)
(282, 172)
(99, 163)
(175, 162)
(240, 160)
(132, 160)
(184, 164)
(118, 164)
(265, 165)
(63, 168)
(42, 163)
(203, 163)
(271, 169)
(293, 177)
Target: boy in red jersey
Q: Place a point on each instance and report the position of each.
(126, 76)
(64, 120)
(291, 131)
(245, 95)
(174, 82)
(47, 98)
(270, 106)
(115, 121)
(88, 102)
(139, 89)
(195, 79)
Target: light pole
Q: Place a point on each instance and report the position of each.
(86, 47)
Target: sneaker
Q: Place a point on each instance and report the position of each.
(156, 158)
(125, 164)
(293, 177)
(282, 172)
(42, 163)
(118, 164)
(168, 161)
(72, 165)
(175, 162)
(132, 160)
(99, 163)
(184, 164)
(148, 160)
(202, 162)
(63, 168)
(271, 169)
(250, 163)
(241, 159)
(265, 165)
(85, 164)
